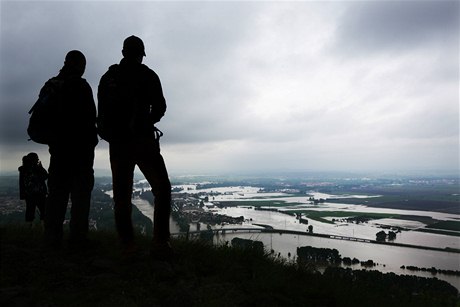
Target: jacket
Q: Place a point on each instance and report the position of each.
(73, 112)
(130, 102)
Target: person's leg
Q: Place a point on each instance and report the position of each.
(41, 202)
(58, 198)
(152, 165)
(82, 186)
(122, 167)
(30, 209)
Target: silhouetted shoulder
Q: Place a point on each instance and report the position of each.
(54, 81)
(51, 86)
(86, 85)
(114, 68)
(110, 73)
(148, 70)
(149, 74)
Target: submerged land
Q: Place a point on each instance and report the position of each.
(413, 194)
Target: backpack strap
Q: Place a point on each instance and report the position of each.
(158, 133)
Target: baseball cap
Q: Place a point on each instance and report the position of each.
(134, 45)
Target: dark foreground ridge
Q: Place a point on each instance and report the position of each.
(198, 275)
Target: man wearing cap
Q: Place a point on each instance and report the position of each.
(130, 103)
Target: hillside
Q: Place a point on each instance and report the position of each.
(198, 275)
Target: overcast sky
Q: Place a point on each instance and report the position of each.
(257, 86)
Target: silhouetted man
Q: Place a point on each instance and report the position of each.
(130, 102)
(72, 151)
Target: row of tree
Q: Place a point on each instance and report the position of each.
(327, 255)
(382, 236)
(432, 270)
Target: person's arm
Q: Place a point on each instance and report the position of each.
(158, 102)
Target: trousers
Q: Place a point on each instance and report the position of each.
(71, 175)
(33, 202)
(145, 153)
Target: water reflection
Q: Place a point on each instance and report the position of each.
(363, 230)
(389, 258)
(147, 209)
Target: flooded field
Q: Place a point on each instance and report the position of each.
(389, 258)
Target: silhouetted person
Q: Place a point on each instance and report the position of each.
(72, 152)
(130, 102)
(32, 186)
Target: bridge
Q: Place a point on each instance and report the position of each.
(221, 230)
(268, 229)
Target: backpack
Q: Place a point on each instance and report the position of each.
(108, 100)
(42, 121)
(34, 183)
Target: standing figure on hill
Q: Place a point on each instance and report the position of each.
(32, 186)
(130, 102)
(71, 142)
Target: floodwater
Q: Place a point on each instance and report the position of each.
(389, 258)
(147, 209)
(367, 231)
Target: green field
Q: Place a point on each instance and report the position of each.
(256, 203)
(321, 215)
(446, 225)
(439, 232)
(450, 228)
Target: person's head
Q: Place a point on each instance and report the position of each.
(32, 158)
(75, 63)
(133, 49)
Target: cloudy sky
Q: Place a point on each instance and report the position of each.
(257, 86)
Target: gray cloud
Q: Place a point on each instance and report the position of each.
(380, 26)
(258, 85)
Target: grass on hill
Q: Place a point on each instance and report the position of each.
(199, 275)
